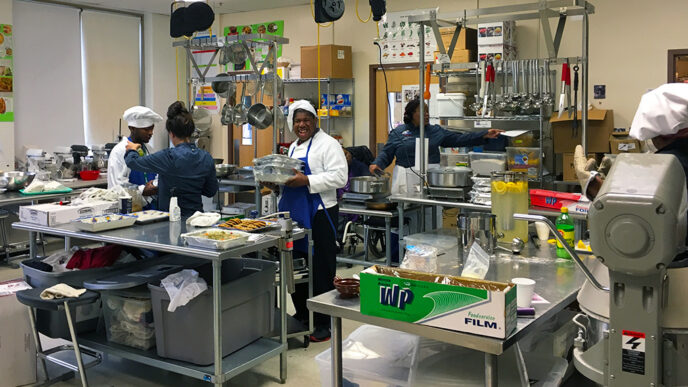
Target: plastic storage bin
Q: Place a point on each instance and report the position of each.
(450, 104)
(442, 365)
(85, 317)
(484, 163)
(523, 159)
(373, 356)
(248, 294)
(128, 317)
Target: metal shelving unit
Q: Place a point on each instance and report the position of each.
(543, 11)
(330, 87)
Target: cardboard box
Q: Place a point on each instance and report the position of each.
(497, 33)
(497, 52)
(51, 214)
(468, 38)
(623, 144)
(620, 132)
(17, 347)
(460, 304)
(567, 165)
(460, 56)
(600, 126)
(449, 217)
(335, 61)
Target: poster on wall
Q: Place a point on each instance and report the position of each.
(6, 74)
(259, 52)
(206, 99)
(399, 39)
(202, 57)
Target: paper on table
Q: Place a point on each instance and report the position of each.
(513, 133)
(537, 299)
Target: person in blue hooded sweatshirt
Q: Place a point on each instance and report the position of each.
(184, 171)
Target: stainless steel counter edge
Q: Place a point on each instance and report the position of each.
(191, 251)
(330, 304)
(353, 210)
(424, 200)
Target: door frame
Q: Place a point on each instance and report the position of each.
(671, 68)
(372, 71)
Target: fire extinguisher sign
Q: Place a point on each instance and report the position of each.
(633, 352)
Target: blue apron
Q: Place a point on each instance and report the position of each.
(302, 205)
(141, 178)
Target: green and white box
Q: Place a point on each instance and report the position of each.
(459, 304)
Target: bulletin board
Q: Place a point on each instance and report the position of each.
(259, 52)
(6, 74)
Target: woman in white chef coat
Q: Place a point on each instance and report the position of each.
(311, 198)
(141, 121)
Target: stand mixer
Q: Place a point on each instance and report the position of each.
(100, 158)
(64, 162)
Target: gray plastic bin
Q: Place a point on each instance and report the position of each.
(248, 295)
(85, 317)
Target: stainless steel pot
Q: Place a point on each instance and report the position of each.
(370, 184)
(259, 116)
(449, 177)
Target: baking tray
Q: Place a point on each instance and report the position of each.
(59, 191)
(150, 216)
(196, 239)
(270, 225)
(110, 222)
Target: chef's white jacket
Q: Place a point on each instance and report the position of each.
(118, 172)
(329, 169)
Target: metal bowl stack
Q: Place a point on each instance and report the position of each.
(16, 180)
(224, 170)
(275, 168)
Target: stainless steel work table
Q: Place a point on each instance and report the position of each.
(236, 185)
(557, 281)
(164, 236)
(425, 200)
(14, 197)
(78, 183)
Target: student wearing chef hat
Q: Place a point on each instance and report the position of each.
(141, 121)
(311, 198)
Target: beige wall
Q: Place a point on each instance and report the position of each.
(627, 51)
(6, 128)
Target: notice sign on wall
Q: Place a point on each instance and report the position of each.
(259, 52)
(6, 74)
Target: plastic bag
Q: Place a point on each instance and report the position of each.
(59, 260)
(203, 219)
(477, 264)
(183, 287)
(420, 258)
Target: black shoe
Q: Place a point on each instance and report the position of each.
(302, 318)
(321, 334)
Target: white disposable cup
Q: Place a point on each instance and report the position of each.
(525, 287)
(542, 231)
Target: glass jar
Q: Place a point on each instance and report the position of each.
(510, 196)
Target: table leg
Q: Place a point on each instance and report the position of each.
(388, 240)
(283, 314)
(310, 279)
(434, 217)
(400, 231)
(32, 244)
(336, 346)
(217, 320)
(490, 370)
(366, 238)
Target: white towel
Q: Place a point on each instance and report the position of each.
(61, 291)
(203, 219)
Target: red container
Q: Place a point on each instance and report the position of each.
(89, 175)
(551, 199)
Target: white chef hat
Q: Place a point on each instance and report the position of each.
(300, 104)
(661, 112)
(141, 117)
